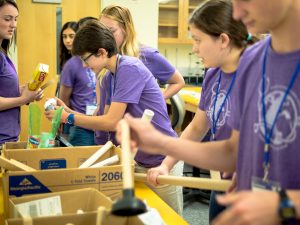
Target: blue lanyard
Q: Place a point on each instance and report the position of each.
(114, 77)
(92, 82)
(215, 121)
(268, 135)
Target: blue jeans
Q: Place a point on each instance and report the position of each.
(214, 207)
(81, 137)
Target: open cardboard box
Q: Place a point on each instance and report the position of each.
(15, 145)
(88, 200)
(57, 170)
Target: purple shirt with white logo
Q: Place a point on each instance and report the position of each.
(158, 66)
(247, 117)
(9, 88)
(208, 96)
(134, 84)
(82, 81)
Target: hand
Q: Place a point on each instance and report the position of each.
(27, 95)
(233, 185)
(21, 88)
(40, 94)
(50, 114)
(249, 208)
(59, 103)
(154, 172)
(143, 135)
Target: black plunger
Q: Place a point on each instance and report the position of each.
(129, 205)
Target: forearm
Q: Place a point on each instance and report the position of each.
(103, 123)
(169, 162)
(171, 90)
(218, 155)
(197, 128)
(8, 103)
(194, 132)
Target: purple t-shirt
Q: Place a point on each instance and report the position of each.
(208, 95)
(247, 117)
(101, 137)
(9, 88)
(134, 84)
(159, 67)
(82, 81)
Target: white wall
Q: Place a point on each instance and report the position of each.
(145, 17)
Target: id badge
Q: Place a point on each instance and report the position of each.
(90, 109)
(258, 184)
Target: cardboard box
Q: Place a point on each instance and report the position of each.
(15, 145)
(57, 170)
(86, 199)
(83, 219)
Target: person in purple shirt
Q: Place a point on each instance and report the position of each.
(119, 20)
(219, 41)
(132, 88)
(78, 91)
(12, 96)
(264, 144)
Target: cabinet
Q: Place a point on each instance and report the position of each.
(173, 21)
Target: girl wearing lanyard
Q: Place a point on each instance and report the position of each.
(132, 89)
(264, 145)
(78, 91)
(219, 41)
(119, 20)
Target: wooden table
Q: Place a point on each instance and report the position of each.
(191, 97)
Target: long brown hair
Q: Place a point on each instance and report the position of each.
(6, 42)
(214, 17)
(65, 54)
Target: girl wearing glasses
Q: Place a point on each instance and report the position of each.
(132, 88)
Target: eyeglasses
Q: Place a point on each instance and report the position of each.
(86, 58)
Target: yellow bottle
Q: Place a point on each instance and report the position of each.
(38, 76)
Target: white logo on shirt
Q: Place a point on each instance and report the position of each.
(284, 131)
(226, 108)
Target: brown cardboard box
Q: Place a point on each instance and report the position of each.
(65, 176)
(77, 219)
(15, 145)
(86, 199)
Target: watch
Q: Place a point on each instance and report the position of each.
(70, 119)
(287, 211)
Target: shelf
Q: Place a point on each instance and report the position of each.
(168, 25)
(168, 6)
(174, 41)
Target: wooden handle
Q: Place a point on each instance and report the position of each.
(48, 83)
(191, 182)
(126, 156)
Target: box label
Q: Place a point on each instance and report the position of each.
(24, 185)
(49, 164)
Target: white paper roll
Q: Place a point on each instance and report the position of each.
(148, 115)
(106, 162)
(96, 155)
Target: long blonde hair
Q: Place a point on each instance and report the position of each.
(122, 15)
